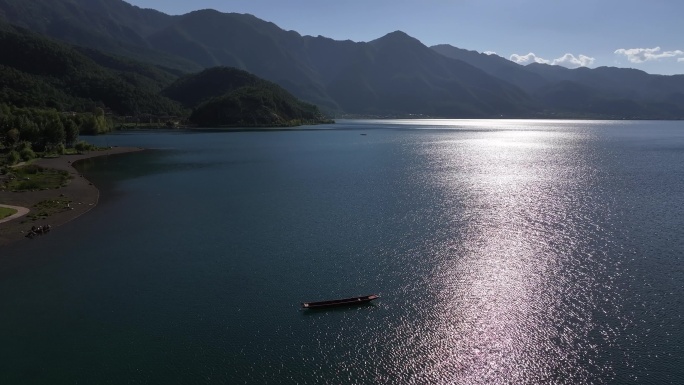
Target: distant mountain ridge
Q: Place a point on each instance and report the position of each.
(609, 91)
(395, 75)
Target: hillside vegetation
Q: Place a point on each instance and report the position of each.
(51, 92)
(47, 74)
(225, 96)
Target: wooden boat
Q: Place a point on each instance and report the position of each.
(340, 302)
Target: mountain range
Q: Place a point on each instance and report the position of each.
(394, 75)
(42, 73)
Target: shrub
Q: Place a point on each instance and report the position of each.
(82, 146)
(27, 154)
(55, 149)
(13, 157)
(29, 185)
(23, 146)
(32, 169)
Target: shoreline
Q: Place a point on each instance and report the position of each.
(83, 195)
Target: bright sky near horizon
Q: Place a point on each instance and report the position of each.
(642, 34)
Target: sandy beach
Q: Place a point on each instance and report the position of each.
(82, 194)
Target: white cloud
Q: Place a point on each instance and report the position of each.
(529, 58)
(681, 59)
(568, 60)
(640, 55)
(489, 53)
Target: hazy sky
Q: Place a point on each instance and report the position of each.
(642, 34)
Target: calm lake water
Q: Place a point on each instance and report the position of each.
(505, 252)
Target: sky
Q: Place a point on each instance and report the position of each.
(642, 34)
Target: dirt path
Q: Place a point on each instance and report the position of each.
(21, 211)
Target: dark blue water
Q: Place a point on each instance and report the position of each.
(505, 252)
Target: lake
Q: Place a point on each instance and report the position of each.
(504, 251)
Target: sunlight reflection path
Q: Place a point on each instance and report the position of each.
(516, 289)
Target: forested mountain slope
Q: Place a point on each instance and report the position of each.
(44, 73)
(223, 96)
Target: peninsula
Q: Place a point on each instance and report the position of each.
(75, 199)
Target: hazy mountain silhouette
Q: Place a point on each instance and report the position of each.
(496, 66)
(602, 91)
(395, 75)
(400, 75)
(211, 38)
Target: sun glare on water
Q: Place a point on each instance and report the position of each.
(513, 286)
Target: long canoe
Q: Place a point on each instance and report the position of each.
(340, 302)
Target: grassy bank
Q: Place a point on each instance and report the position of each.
(6, 212)
(34, 177)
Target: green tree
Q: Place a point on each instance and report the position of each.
(13, 157)
(26, 151)
(88, 126)
(54, 132)
(12, 137)
(71, 132)
(82, 146)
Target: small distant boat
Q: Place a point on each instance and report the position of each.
(340, 302)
